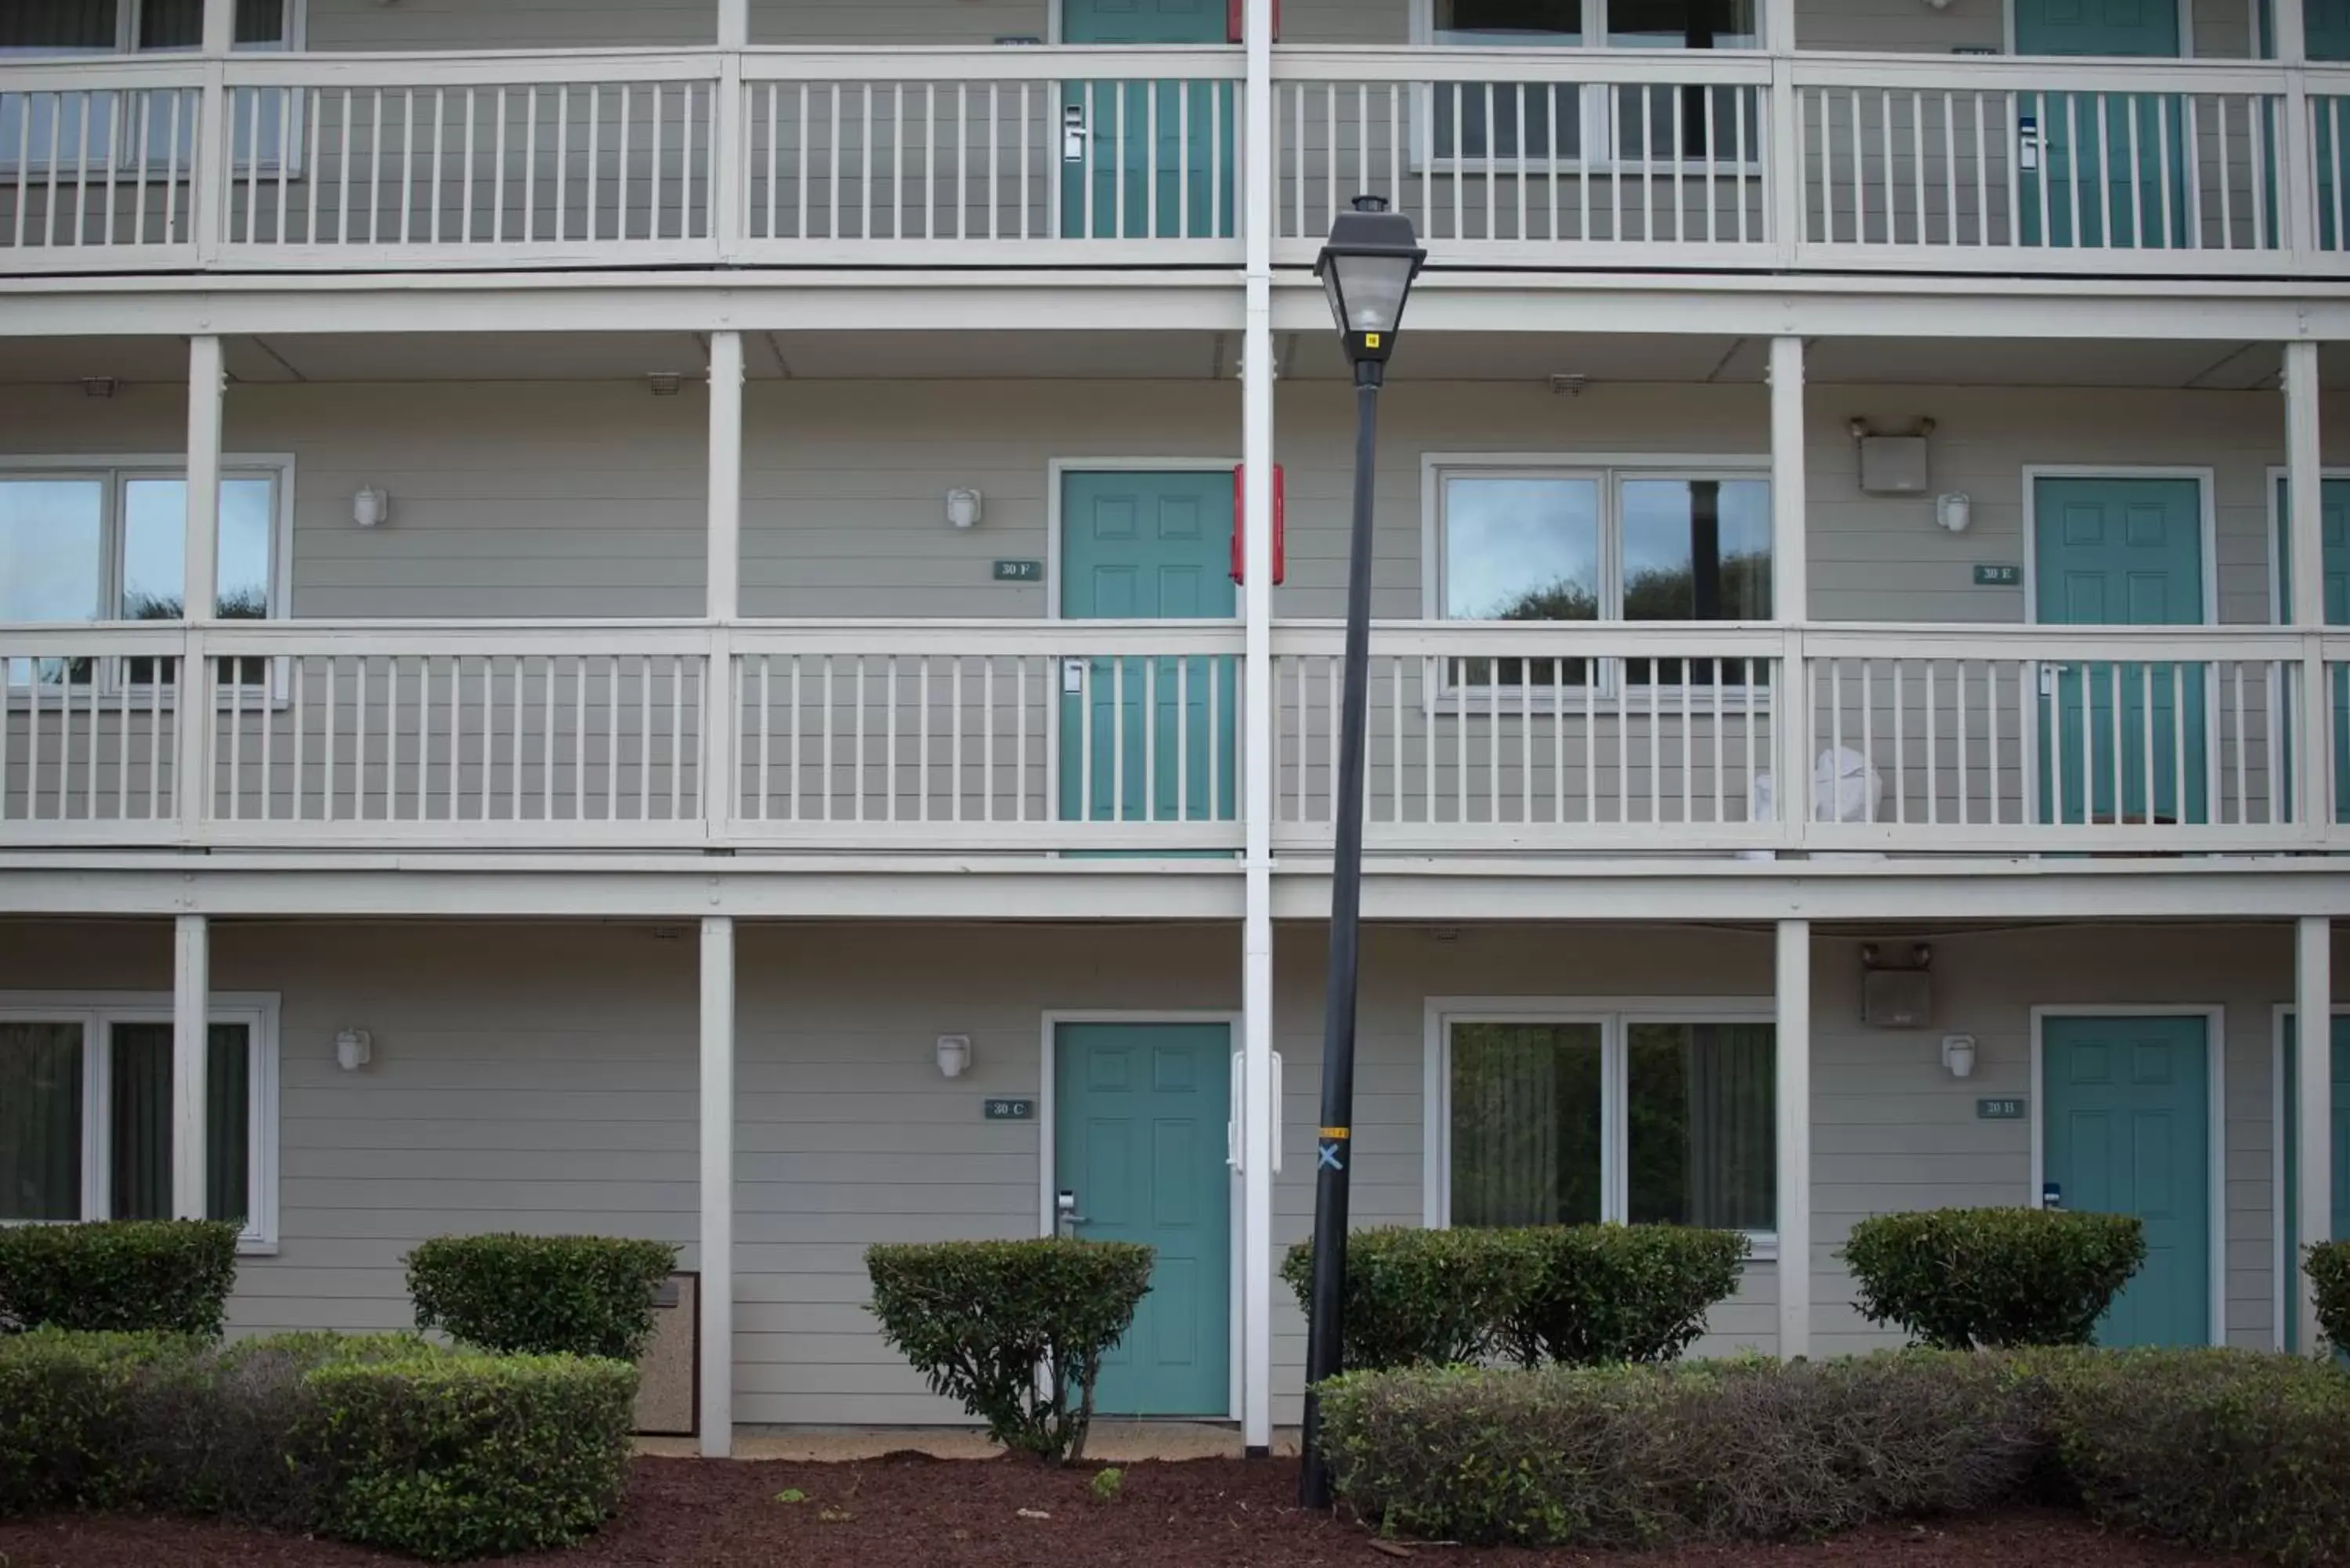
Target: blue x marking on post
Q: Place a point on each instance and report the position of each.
(1330, 1160)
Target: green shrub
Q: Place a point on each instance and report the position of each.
(1959, 1278)
(541, 1295)
(73, 1412)
(2220, 1450)
(1418, 1297)
(1014, 1331)
(1643, 1455)
(1605, 1293)
(2328, 1267)
(454, 1456)
(130, 1276)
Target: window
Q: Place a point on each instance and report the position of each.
(1629, 545)
(1568, 23)
(1662, 1117)
(85, 1111)
(82, 544)
(78, 127)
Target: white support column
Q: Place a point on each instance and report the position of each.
(2305, 566)
(1261, 1126)
(724, 601)
(206, 387)
(210, 174)
(716, 1301)
(1794, 1128)
(729, 191)
(191, 1024)
(2313, 1112)
(1790, 587)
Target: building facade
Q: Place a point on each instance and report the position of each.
(651, 619)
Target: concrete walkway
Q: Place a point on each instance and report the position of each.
(1112, 1442)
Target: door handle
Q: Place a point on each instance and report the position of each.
(1073, 134)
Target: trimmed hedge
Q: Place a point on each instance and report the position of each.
(455, 1456)
(1607, 1293)
(2221, 1450)
(541, 1295)
(385, 1440)
(2328, 1267)
(126, 1276)
(1582, 1294)
(1013, 1331)
(1626, 1457)
(1960, 1278)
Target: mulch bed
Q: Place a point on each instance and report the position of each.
(909, 1511)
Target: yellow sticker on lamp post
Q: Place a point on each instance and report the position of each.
(1371, 340)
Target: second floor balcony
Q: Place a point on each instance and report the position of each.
(1105, 155)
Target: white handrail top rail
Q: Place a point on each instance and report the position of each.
(1002, 62)
(1672, 66)
(2039, 74)
(85, 73)
(501, 68)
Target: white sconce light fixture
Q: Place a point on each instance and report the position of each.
(966, 508)
(954, 1055)
(1954, 510)
(1959, 1055)
(354, 1049)
(372, 507)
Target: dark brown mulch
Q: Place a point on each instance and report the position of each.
(907, 1511)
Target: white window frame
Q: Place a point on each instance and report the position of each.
(1608, 470)
(1615, 1016)
(96, 1012)
(1595, 29)
(114, 472)
(127, 14)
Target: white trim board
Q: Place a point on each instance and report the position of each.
(1438, 1011)
(2215, 1053)
(258, 1011)
(1047, 1125)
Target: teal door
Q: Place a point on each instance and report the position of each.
(2120, 552)
(2105, 159)
(2126, 1129)
(1146, 160)
(1147, 740)
(2333, 512)
(2291, 1205)
(1139, 1139)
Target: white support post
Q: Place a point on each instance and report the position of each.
(2304, 557)
(191, 1028)
(1261, 1126)
(1790, 587)
(716, 1298)
(210, 172)
(2312, 1108)
(1794, 1128)
(720, 728)
(192, 770)
(1783, 172)
(729, 191)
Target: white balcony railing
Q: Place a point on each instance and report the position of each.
(1006, 737)
(1086, 155)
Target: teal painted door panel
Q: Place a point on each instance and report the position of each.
(1156, 160)
(1149, 546)
(2326, 27)
(2105, 159)
(2334, 511)
(2340, 1123)
(2121, 552)
(1140, 1112)
(2126, 1108)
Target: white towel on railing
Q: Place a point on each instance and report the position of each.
(1845, 788)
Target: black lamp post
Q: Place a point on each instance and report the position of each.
(1366, 267)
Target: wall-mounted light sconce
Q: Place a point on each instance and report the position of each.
(664, 383)
(954, 1055)
(354, 1049)
(966, 508)
(1959, 1055)
(1954, 509)
(372, 507)
(99, 386)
